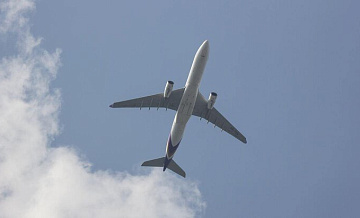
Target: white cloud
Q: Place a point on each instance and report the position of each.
(12, 14)
(39, 181)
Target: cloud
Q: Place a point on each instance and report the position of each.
(37, 180)
(12, 14)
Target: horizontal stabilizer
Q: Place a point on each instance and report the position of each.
(154, 163)
(174, 167)
(159, 162)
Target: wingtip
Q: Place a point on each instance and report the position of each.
(243, 140)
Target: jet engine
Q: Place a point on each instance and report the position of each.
(168, 88)
(211, 101)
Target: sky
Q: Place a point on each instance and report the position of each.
(287, 76)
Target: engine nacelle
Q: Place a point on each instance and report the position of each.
(211, 101)
(168, 88)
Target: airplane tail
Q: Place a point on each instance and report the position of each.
(159, 162)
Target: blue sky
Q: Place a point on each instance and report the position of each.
(287, 76)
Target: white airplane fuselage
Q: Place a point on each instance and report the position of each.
(187, 102)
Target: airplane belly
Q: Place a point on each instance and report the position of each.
(181, 118)
(187, 103)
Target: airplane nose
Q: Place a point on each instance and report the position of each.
(204, 48)
(205, 45)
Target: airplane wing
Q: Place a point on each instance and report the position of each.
(158, 101)
(215, 117)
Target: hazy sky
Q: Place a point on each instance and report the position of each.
(287, 76)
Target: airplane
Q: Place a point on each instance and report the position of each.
(186, 101)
